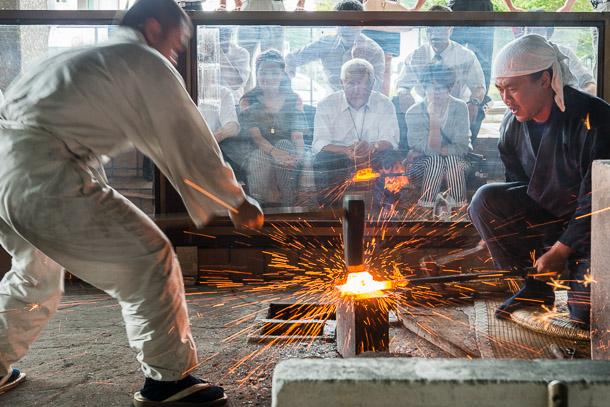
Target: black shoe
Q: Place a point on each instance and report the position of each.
(533, 293)
(11, 381)
(188, 391)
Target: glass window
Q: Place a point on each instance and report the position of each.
(321, 111)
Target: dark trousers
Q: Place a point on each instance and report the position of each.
(333, 174)
(513, 226)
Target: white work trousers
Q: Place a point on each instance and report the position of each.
(54, 215)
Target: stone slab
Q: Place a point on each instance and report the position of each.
(600, 261)
(395, 382)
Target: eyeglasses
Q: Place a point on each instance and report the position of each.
(357, 86)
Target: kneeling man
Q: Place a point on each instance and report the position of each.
(549, 139)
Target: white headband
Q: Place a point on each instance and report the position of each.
(530, 54)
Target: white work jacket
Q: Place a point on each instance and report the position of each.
(103, 99)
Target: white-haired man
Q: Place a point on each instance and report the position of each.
(57, 211)
(548, 141)
(354, 126)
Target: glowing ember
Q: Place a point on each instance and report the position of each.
(395, 184)
(363, 284)
(365, 175)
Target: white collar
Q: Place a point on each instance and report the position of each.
(128, 34)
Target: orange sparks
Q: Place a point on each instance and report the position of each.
(365, 175)
(593, 213)
(588, 280)
(362, 284)
(395, 184)
(587, 123)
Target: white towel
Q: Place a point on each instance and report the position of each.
(530, 54)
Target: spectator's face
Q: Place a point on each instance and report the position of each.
(170, 42)
(526, 98)
(269, 76)
(437, 94)
(357, 87)
(438, 37)
(349, 34)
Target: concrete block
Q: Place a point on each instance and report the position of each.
(187, 256)
(401, 382)
(600, 261)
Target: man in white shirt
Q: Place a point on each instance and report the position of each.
(353, 128)
(336, 49)
(222, 120)
(470, 81)
(57, 211)
(234, 64)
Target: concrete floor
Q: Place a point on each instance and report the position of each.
(82, 357)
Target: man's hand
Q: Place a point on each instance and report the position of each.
(362, 149)
(432, 108)
(473, 112)
(249, 215)
(290, 71)
(405, 100)
(284, 158)
(553, 262)
(359, 48)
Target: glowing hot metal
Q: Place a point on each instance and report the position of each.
(362, 285)
(365, 174)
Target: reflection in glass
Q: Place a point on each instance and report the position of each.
(314, 59)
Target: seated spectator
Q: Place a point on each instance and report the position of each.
(440, 137)
(354, 128)
(272, 115)
(234, 64)
(585, 78)
(334, 50)
(469, 83)
(222, 121)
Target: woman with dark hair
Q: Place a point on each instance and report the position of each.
(440, 138)
(272, 115)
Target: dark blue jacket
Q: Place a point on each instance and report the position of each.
(559, 177)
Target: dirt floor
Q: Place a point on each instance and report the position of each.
(82, 358)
